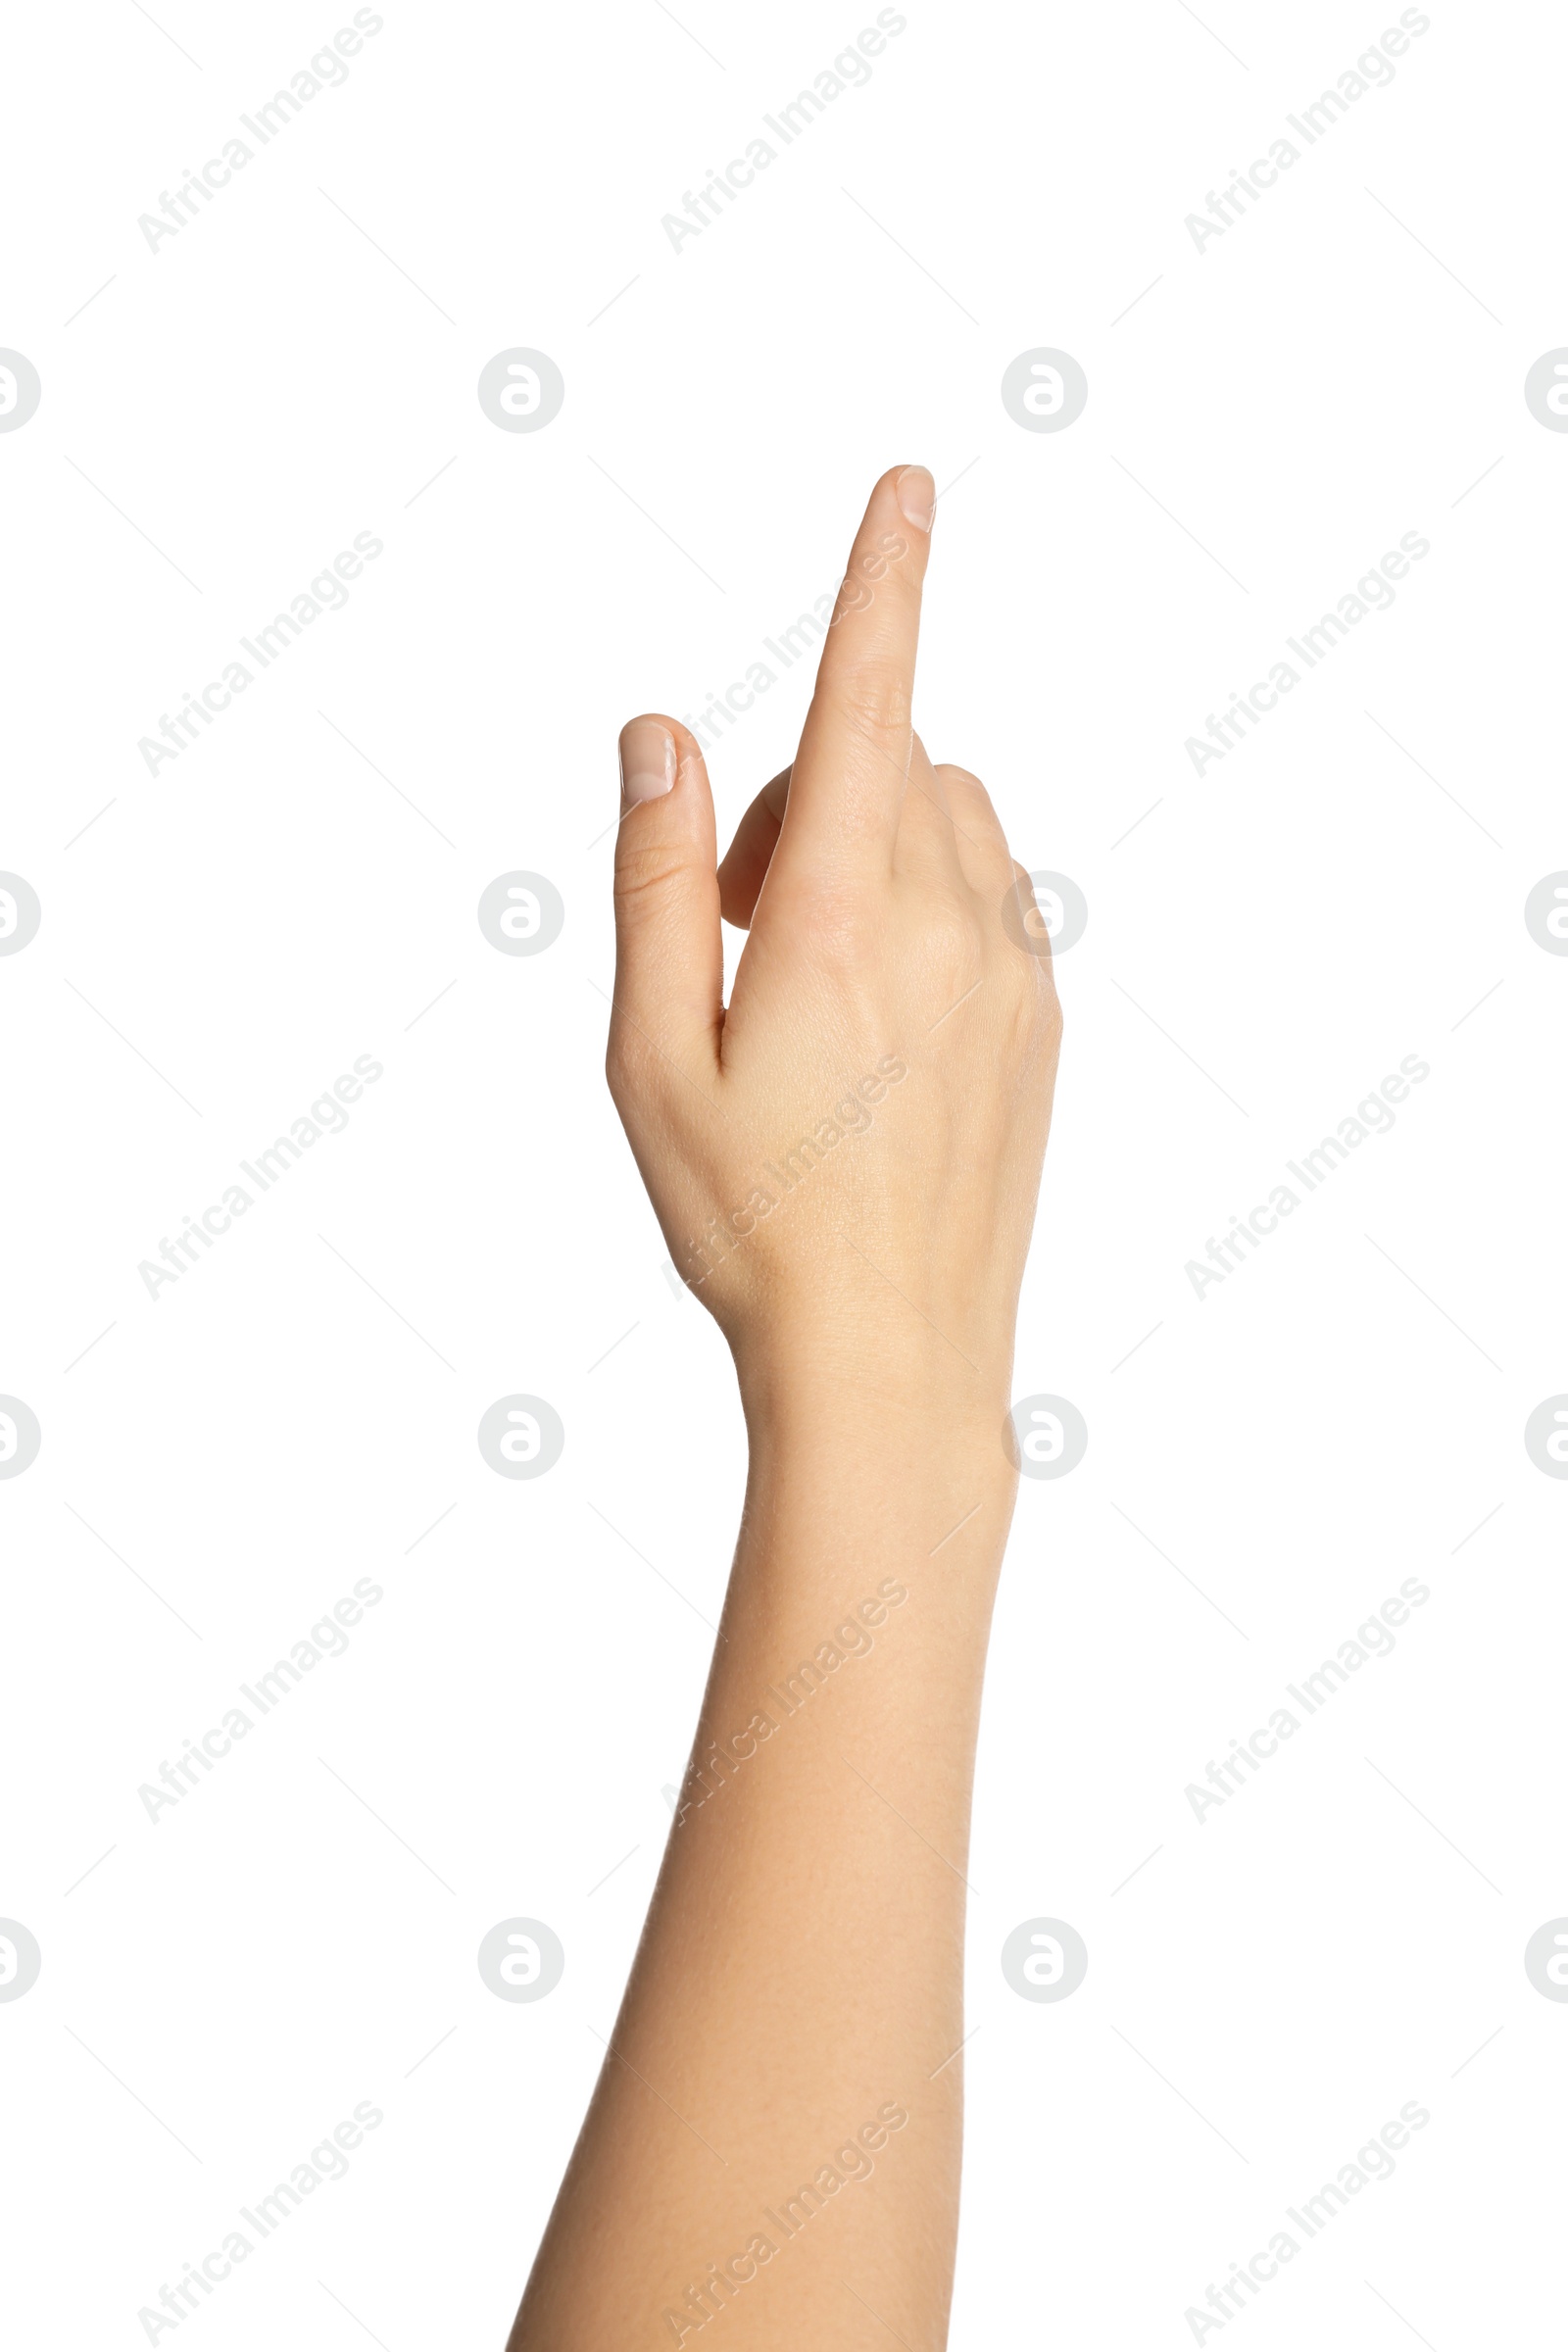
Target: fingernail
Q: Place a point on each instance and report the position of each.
(646, 761)
(917, 496)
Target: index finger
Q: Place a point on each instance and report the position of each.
(850, 773)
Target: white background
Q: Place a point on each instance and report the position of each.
(294, 367)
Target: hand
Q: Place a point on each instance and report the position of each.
(844, 1164)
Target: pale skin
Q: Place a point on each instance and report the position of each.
(799, 1984)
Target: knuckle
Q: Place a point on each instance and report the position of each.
(879, 569)
(873, 690)
(952, 938)
(968, 797)
(631, 1065)
(647, 867)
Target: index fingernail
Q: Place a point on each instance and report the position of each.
(917, 496)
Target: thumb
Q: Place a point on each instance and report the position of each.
(669, 966)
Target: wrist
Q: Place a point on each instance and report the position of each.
(916, 1397)
(894, 1452)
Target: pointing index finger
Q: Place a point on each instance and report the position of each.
(848, 785)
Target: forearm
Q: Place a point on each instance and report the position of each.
(799, 1984)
